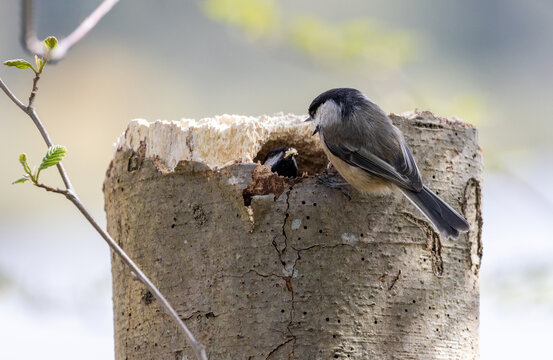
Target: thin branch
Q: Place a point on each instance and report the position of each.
(52, 189)
(34, 91)
(36, 120)
(70, 194)
(11, 95)
(29, 110)
(29, 39)
(84, 27)
(34, 45)
(196, 345)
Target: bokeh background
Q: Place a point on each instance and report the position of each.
(487, 62)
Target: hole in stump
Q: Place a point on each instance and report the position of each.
(309, 159)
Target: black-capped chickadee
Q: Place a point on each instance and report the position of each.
(371, 154)
(282, 161)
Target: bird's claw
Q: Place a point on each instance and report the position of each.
(325, 180)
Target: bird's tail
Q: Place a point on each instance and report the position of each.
(448, 221)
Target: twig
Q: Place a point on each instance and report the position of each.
(30, 111)
(195, 344)
(12, 96)
(85, 26)
(70, 194)
(34, 91)
(52, 189)
(34, 45)
(29, 40)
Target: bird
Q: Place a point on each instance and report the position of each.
(282, 161)
(371, 154)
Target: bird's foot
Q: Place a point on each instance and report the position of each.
(325, 180)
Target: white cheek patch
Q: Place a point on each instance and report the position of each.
(328, 114)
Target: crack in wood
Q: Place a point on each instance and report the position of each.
(278, 347)
(396, 278)
(473, 183)
(433, 244)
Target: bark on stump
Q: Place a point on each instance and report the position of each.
(261, 267)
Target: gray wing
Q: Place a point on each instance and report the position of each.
(399, 167)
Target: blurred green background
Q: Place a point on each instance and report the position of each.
(489, 63)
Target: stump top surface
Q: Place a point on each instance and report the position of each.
(227, 139)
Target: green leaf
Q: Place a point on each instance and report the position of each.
(20, 64)
(24, 163)
(50, 42)
(21, 180)
(53, 156)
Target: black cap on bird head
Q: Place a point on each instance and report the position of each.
(346, 98)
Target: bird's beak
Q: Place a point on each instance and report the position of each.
(317, 128)
(290, 152)
(309, 118)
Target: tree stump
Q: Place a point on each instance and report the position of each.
(264, 267)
